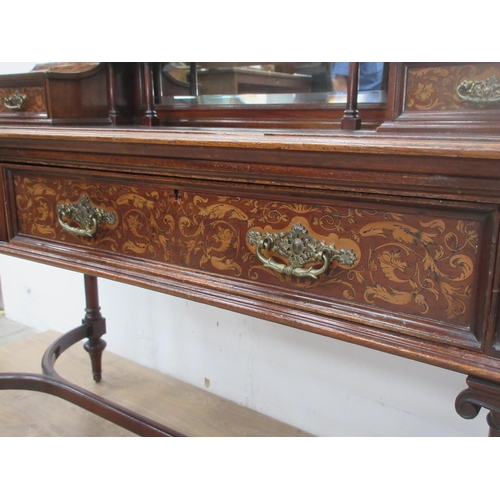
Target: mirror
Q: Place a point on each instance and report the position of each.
(250, 83)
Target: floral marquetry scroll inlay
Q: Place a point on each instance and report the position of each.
(422, 267)
(211, 235)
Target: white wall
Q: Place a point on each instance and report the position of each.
(7, 68)
(321, 385)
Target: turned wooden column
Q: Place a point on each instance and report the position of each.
(114, 115)
(351, 119)
(193, 76)
(97, 326)
(150, 118)
(481, 394)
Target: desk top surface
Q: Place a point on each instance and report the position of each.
(451, 145)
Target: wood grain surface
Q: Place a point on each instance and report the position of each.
(192, 411)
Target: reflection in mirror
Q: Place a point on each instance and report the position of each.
(371, 75)
(265, 83)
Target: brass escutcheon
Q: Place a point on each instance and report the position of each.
(482, 93)
(84, 214)
(15, 102)
(299, 249)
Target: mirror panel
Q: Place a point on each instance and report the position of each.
(254, 83)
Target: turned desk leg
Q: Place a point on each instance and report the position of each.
(481, 394)
(93, 319)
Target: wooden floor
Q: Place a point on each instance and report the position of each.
(190, 410)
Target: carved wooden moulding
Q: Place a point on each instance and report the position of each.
(418, 270)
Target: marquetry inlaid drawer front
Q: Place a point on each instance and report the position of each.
(117, 216)
(22, 99)
(417, 267)
(452, 87)
(419, 262)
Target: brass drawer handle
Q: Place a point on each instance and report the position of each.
(480, 92)
(299, 249)
(15, 101)
(83, 213)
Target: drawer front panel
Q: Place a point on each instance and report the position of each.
(144, 220)
(417, 268)
(406, 261)
(32, 100)
(453, 87)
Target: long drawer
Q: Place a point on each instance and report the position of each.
(406, 265)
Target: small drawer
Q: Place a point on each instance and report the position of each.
(455, 97)
(452, 88)
(22, 99)
(133, 219)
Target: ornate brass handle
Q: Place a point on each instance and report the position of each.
(299, 249)
(480, 92)
(87, 216)
(15, 101)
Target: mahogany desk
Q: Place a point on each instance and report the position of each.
(386, 241)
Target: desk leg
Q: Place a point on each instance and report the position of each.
(481, 394)
(97, 326)
(93, 327)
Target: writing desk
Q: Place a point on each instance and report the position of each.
(386, 237)
(231, 218)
